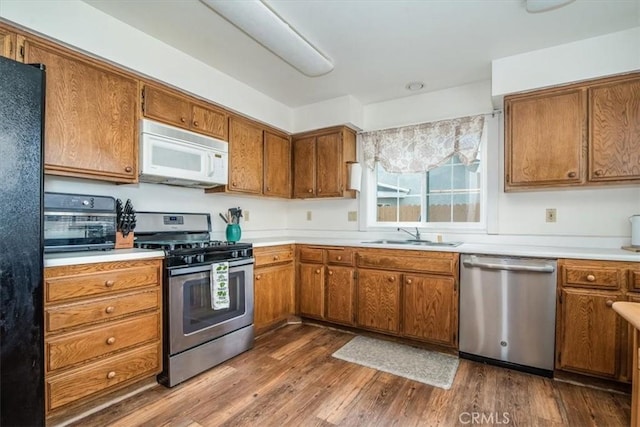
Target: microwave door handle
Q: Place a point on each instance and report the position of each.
(211, 162)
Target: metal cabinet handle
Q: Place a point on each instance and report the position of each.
(111, 340)
(330, 273)
(318, 271)
(571, 174)
(109, 309)
(319, 190)
(109, 283)
(310, 190)
(339, 258)
(195, 124)
(276, 257)
(392, 279)
(183, 120)
(409, 281)
(128, 169)
(599, 172)
(591, 278)
(609, 303)
(258, 277)
(111, 375)
(233, 183)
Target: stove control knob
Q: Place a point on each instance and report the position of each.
(244, 252)
(188, 259)
(234, 254)
(200, 258)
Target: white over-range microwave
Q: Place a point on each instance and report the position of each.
(173, 156)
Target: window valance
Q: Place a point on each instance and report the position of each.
(422, 147)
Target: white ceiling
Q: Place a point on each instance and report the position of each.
(377, 46)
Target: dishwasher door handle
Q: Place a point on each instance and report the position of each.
(510, 267)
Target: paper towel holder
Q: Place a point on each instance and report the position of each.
(355, 176)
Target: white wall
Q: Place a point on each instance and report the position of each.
(585, 59)
(77, 24)
(460, 101)
(266, 216)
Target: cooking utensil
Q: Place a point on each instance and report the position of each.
(223, 218)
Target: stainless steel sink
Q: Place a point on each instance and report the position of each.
(414, 242)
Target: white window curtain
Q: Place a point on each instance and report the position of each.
(422, 147)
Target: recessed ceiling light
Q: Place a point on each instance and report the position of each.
(414, 86)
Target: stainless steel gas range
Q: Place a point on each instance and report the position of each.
(207, 290)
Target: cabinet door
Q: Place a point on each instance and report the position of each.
(589, 337)
(329, 165)
(304, 168)
(273, 293)
(311, 287)
(245, 156)
(430, 308)
(545, 139)
(277, 165)
(90, 116)
(340, 295)
(614, 125)
(379, 300)
(7, 44)
(210, 121)
(166, 107)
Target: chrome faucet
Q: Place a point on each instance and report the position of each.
(415, 236)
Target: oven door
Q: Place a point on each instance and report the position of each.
(192, 321)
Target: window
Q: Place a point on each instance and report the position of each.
(449, 195)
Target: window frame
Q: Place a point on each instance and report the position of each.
(488, 172)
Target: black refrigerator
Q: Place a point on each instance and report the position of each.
(21, 244)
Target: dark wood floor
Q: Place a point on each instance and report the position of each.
(290, 379)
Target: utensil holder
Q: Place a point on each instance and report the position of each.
(124, 242)
(233, 233)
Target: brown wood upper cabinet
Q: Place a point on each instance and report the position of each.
(277, 165)
(320, 163)
(91, 127)
(582, 134)
(7, 43)
(176, 109)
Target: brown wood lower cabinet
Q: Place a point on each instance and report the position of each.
(311, 285)
(341, 289)
(379, 300)
(589, 339)
(430, 309)
(103, 329)
(274, 286)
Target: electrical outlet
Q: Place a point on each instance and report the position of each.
(245, 215)
(308, 215)
(352, 216)
(551, 215)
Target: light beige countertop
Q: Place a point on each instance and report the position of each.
(90, 257)
(630, 311)
(605, 254)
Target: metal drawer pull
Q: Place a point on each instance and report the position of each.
(110, 309)
(339, 258)
(276, 257)
(330, 273)
(392, 279)
(514, 267)
(318, 271)
(111, 375)
(109, 283)
(609, 303)
(258, 277)
(111, 340)
(409, 281)
(591, 278)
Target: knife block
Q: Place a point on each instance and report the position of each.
(124, 242)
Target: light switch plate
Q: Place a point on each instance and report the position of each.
(308, 215)
(352, 216)
(245, 215)
(551, 215)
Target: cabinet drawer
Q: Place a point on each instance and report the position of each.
(77, 314)
(432, 262)
(307, 254)
(340, 256)
(70, 349)
(592, 276)
(101, 376)
(273, 255)
(98, 279)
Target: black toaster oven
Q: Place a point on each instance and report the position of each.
(78, 222)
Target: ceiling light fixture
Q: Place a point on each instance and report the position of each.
(262, 24)
(536, 6)
(414, 86)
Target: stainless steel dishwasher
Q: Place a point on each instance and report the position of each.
(508, 311)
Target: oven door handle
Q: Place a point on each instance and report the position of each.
(207, 267)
